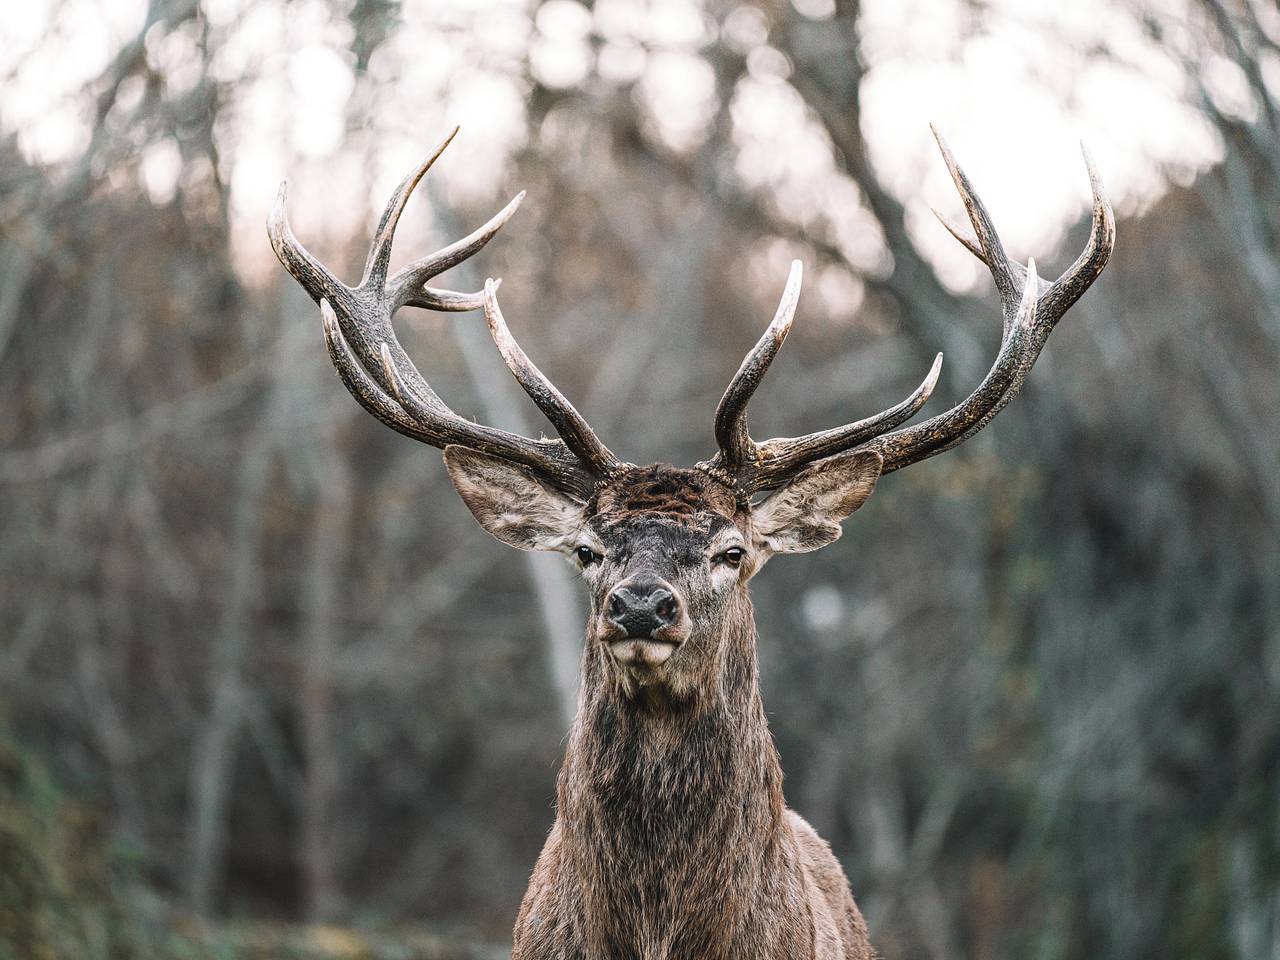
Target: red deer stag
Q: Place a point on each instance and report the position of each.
(672, 839)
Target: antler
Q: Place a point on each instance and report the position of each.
(1030, 306)
(374, 366)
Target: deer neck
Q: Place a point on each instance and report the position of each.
(667, 803)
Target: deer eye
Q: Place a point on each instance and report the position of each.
(733, 556)
(586, 556)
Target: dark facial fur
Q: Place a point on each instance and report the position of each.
(672, 527)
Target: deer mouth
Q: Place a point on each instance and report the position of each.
(642, 651)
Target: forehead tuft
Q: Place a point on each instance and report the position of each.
(661, 489)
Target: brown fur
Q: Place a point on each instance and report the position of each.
(672, 840)
(663, 489)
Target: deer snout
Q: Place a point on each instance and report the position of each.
(642, 607)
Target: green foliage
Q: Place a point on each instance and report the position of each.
(68, 892)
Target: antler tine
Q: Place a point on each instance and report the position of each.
(988, 239)
(782, 457)
(378, 261)
(736, 447)
(408, 286)
(376, 370)
(572, 427)
(1076, 279)
(967, 239)
(297, 259)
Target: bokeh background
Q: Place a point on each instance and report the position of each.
(267, 691)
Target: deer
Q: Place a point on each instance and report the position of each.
(672, 839)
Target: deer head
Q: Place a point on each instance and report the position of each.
(666, 553)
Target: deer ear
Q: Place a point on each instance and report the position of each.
(806, 513)
(511, 503)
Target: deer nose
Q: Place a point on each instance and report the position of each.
(642, 607)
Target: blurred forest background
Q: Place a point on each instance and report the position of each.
(265, 688)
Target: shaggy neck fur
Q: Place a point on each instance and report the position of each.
(666, 806)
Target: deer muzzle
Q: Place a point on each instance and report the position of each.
(644, 621)
(643, 608)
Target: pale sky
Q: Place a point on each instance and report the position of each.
(1013, 101)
